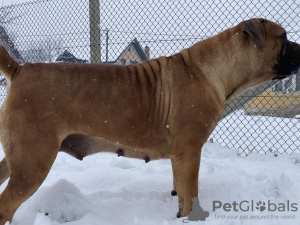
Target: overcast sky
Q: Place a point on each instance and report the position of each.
(9, 2)
(165, 26)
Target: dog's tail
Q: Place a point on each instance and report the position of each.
(8, 66)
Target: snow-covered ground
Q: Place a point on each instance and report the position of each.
(105, 189)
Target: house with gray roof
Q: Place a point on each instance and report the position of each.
(132, 54)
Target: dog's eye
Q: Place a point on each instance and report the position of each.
(284, 36)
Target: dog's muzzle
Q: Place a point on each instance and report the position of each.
(288, 60)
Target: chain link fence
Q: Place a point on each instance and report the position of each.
(130, 31)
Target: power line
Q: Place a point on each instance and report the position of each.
(50, 35)
(196, 36)
(155, 41)
(115, 31)
(153, 34)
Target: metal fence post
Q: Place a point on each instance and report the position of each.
(95, 37)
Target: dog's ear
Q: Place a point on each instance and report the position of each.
(255, 29)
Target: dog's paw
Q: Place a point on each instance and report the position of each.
(173, 193)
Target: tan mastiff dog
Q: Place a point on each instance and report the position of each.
(161, 108)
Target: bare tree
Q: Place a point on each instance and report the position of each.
(7, 16)
(44, 50)
(53, 47)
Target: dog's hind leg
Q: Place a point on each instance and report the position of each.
(4, 172)
(29, 157)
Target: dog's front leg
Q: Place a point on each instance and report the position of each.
(185, 157)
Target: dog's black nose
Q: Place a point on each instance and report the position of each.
(288, 60)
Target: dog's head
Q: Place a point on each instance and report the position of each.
(282, 55)
(288, 61)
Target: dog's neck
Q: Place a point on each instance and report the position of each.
(228, 63)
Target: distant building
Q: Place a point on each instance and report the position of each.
(283, 100)
(291, 83)
(10, 47)
(132, 54)
(68, 57)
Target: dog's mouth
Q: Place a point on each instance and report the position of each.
(288, 60)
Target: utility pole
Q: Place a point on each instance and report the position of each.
(95, 37)
(107, 46)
